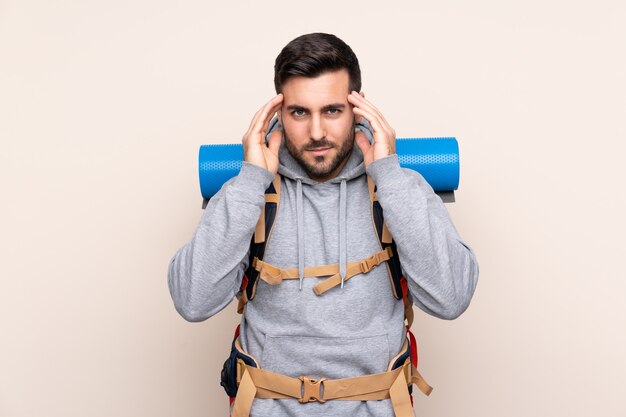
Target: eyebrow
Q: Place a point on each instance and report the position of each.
(339, 106)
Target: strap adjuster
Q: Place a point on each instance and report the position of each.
(364, 267)
(311, 390)
(269, 273)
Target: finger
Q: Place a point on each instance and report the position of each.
(275, 141)
(260, 116)
(373, 119)
(360, 98)
(372, 111)
(269, 116)
(353, 104)
(389, 138)
(255, 118)
(363, 102)
(359, 102)
(268, 112)
(362, 142)
(368, 106)
(390, 131)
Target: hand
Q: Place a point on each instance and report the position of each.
(384, 136)
(255, 150)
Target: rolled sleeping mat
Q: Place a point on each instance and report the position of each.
(437, 159)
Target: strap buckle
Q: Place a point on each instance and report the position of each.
(311, 390)
(268, 273)
(364, 267)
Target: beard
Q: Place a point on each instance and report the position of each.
(322, 166)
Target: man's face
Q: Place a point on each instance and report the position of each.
(318, 122)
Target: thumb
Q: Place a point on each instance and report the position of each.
(274, 141)
(362, 142)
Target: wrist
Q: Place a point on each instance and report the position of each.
(385, 171)
(253, 179)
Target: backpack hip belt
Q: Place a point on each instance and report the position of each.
(254, 382)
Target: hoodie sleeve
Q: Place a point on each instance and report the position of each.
(206, 273)
(440, 268)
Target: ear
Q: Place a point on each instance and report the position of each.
(362, 94)
(280, 117)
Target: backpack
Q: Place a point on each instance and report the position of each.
(230, 375)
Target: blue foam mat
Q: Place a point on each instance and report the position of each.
(437, 159)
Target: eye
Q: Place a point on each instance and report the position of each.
(298, 112)
(333, 111)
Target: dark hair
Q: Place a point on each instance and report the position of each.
(314, 54)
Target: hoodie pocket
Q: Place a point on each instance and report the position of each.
(330, 357)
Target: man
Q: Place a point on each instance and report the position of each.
(324, 218)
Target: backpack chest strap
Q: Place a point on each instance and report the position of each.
(274, 275)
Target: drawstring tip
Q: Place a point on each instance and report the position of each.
(300, 284)
(342, 282)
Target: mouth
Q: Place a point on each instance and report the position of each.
(319, 151)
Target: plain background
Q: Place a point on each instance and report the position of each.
(104, 104)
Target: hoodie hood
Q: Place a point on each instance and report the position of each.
(290, 168)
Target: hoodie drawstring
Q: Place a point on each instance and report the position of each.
(300, 216)
(343, 225)
(342, 231)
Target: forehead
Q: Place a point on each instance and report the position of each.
(317, 92)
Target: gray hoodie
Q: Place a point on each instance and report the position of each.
(345, 332)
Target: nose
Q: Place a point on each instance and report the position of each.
(316, 129)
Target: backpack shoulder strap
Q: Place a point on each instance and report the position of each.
(259, 241)
(385, 239)
(399, 284)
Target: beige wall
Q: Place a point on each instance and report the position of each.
(103, 105)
